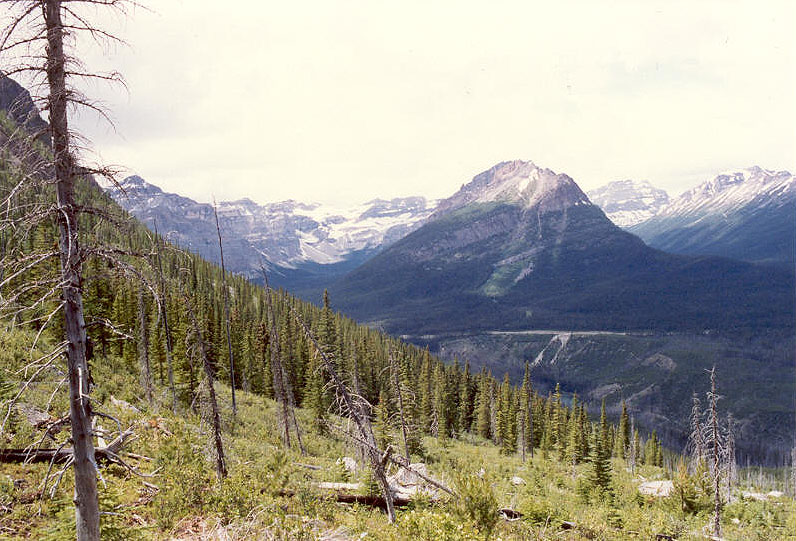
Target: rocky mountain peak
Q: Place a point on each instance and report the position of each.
(521, 183)
(16, 101)
(735, 188)
(629, 202)
(138, 184)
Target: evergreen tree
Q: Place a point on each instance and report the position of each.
(600, 458)
(382, 428)
(484, 414)
(466, 401)
(440, 411)
(622, 434)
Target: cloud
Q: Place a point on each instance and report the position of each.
(349, 100)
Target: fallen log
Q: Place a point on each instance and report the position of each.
(59, 456)
(376, 501)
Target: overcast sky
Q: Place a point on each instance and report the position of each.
(344, 101)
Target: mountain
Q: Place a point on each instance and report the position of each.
(521, 247)
(629, 202)
(520, 266)
(305, 245)
(17, 104)
(748, 215)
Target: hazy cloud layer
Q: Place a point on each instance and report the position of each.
(348, 100)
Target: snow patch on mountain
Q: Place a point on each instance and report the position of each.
(733, 190)
(287, 233)
(629, 202)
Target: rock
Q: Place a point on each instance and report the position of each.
(775, 494)
(510, 514)
(405, 484)
(659, 360)
(348, 463)
(757, 496)
(33, 415)
(660, 489)
(516, 481)
(122, 404)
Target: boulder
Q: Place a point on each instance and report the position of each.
(660, 489)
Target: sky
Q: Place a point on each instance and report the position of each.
(342, 101)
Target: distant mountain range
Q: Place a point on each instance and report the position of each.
(748, 215)
(305, 245)
(521, 247)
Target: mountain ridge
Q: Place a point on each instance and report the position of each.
(303, 243)
(748, 215)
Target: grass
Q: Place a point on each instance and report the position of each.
(190, 503)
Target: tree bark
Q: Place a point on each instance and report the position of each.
(86, 501)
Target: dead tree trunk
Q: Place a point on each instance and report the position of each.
(215, 420)
(143, 349)
(283, 391)
(86, 502)
(226, 313)
(716, 452)
(397, 383)
(377, 459)
(166, 330)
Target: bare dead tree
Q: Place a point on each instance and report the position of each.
(164, 318)
(353, 409)
(632, 454)
(38, 35)
(695, 447)
(715, 445)
(215, 417)
(399, 394)
(226, 312)
(143, 348)
(283, 391)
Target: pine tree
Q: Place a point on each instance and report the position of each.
(507, 419)
(526, 406)
(600, 473)
(484, 414)
(440, 410)
(382, 428)
(622, 434)
(466, 401)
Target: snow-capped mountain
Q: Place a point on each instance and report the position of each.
(521, 247)
(520, 183)
(288, 234)
(748, 214)
(629, 202)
